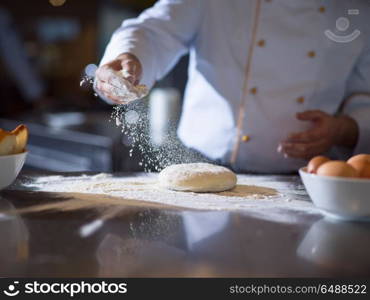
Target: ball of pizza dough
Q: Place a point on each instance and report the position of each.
(197, 177)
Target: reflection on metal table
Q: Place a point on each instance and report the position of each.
(153, 240)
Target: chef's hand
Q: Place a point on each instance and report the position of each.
(326, 132)
(131, 67)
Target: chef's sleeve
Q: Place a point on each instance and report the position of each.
(357, 103)
(158, 37)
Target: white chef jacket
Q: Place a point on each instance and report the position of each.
(253, 65)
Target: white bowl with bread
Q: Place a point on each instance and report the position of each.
(12, 154)
(339, 189)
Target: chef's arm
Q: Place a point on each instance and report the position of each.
(357, 103)
(158, 37)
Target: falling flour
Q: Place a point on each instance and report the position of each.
(133, 121)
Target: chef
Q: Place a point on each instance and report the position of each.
(271, 83)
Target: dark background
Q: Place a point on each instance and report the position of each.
(59, 41)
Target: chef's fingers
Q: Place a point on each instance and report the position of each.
(105, 73)
(105, 89)
(303, 150)
(318, 131)
(131, 71)
(307, 136)
(311, 115)
(307, 148)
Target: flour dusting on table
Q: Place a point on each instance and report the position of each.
(250, 194)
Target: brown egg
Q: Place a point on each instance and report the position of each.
(337, 168)
(315, 163)
(361, 163)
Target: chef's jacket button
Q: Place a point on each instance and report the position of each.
(300, 100)
(253, 91)
(322, 9)
(245, 138)
(261, 43)
(311, 54)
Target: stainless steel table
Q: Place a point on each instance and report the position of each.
(155, 242)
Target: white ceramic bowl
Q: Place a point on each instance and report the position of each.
(10, 166)
(339, 197)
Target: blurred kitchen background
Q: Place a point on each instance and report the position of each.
(46, 46)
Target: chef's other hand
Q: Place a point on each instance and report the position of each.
(126, 62)
(327, 131)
